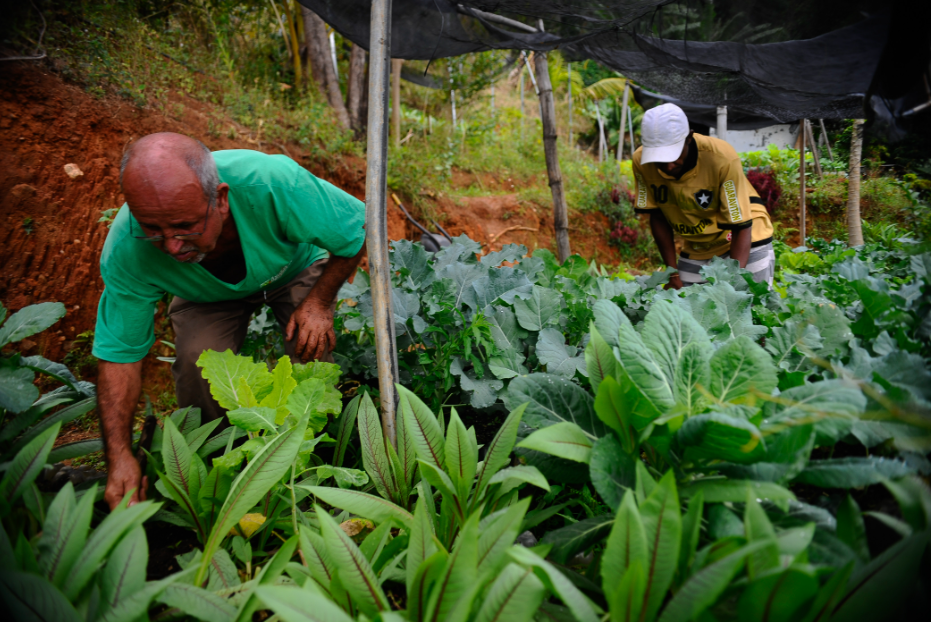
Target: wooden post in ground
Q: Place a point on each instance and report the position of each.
(569, 98)
(801, 179)
(548, 114)
(814, 149)
(854, 226)
(396, 64)
(824, 137)
(620, 134)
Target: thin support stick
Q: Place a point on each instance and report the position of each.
(376, 217)
(569, 98)
(824, 137)
(620, 135)
(630, 123)
(801, 179)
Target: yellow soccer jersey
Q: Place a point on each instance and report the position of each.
(709, 201)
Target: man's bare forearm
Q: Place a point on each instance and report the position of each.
(337, 270)
(118, 388)
(740, 246)
(662, 235)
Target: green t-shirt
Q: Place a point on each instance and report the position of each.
(286, 218)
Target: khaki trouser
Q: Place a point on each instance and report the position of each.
(222, 326)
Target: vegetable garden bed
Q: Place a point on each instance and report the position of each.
(571, 445)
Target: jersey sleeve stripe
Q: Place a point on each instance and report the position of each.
(737, 226)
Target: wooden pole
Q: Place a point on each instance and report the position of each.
(548, 114)
(814, 149)
(854, 226)
(601, 135)
(569, 98)
(801, 179)
(824, 137)
(376, 215)
(396, 64)
(630, 123)
(620, 134)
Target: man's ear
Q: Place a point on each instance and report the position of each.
(223, 202)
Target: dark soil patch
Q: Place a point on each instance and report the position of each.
(165, 542)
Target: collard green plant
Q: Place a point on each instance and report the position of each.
(25, 414)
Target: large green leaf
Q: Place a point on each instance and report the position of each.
(877, 590)
(267, 576)
(717, 436)
(135, 605)
(17, 393)
(599, 360)
(263, 471)
(283, 383)
(30, 598)
(645, 372)
(293, 604)
(423, 428)
(63, 416)
(668, 330)
(692, 374)
(498, 536)
(740, 369)
(851, 529)
(725, 312)
(662, 524)
(118, 523)
(421, 544)
(613, 470)
(459, 574)
(515, 595)
(564, 439)
(498, 453)
(124, 573)
(831, 405)
(253, 418)
(778, 597)
(374, 454)
(560, 359)
(551, 399)
(613, 408)
(704, 587)
(30, 320)
(626, 544)
(64, 533)
(540, 309)
(360, 503)
(224, 369)
(26, 466)
(758, 528)
(557, 583)
(608, 319)
(719, 490)
(347, 423)
(179, 463)
(461, 456)
(355, 571)
(853, 472)
(691, 530)
(314, 399)
(571, 539)
(197, 603)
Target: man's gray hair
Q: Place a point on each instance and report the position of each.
(199, 161)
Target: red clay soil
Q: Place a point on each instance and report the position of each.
(51, 240)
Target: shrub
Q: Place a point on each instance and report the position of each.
(766, 186)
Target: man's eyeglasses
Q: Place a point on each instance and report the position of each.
(159, 238)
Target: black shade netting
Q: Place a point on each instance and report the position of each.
(768, 61)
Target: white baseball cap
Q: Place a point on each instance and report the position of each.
(663, 131)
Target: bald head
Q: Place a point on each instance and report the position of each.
(159, 159)
(171, 185)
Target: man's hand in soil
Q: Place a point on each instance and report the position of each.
(675, 282)
(123, 476)
(311, 325)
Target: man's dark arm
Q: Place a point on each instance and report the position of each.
(118, 388)
(312, 322)
(662, 234)
(740, 246)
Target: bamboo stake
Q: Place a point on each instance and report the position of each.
(814, 149)
(396, 64)
(569, 97)
(601, 135)
(630, 123)
(620, 135)
(824, 137)
(801, 179)
(854, 226)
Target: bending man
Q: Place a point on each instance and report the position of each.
(695, 186)
(224, 233)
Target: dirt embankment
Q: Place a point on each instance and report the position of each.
(52, 238)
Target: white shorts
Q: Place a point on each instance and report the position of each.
(762, 263)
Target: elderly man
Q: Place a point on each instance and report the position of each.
(695, 186)
(224, 232)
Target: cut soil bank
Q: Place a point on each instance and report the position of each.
(52, 239)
